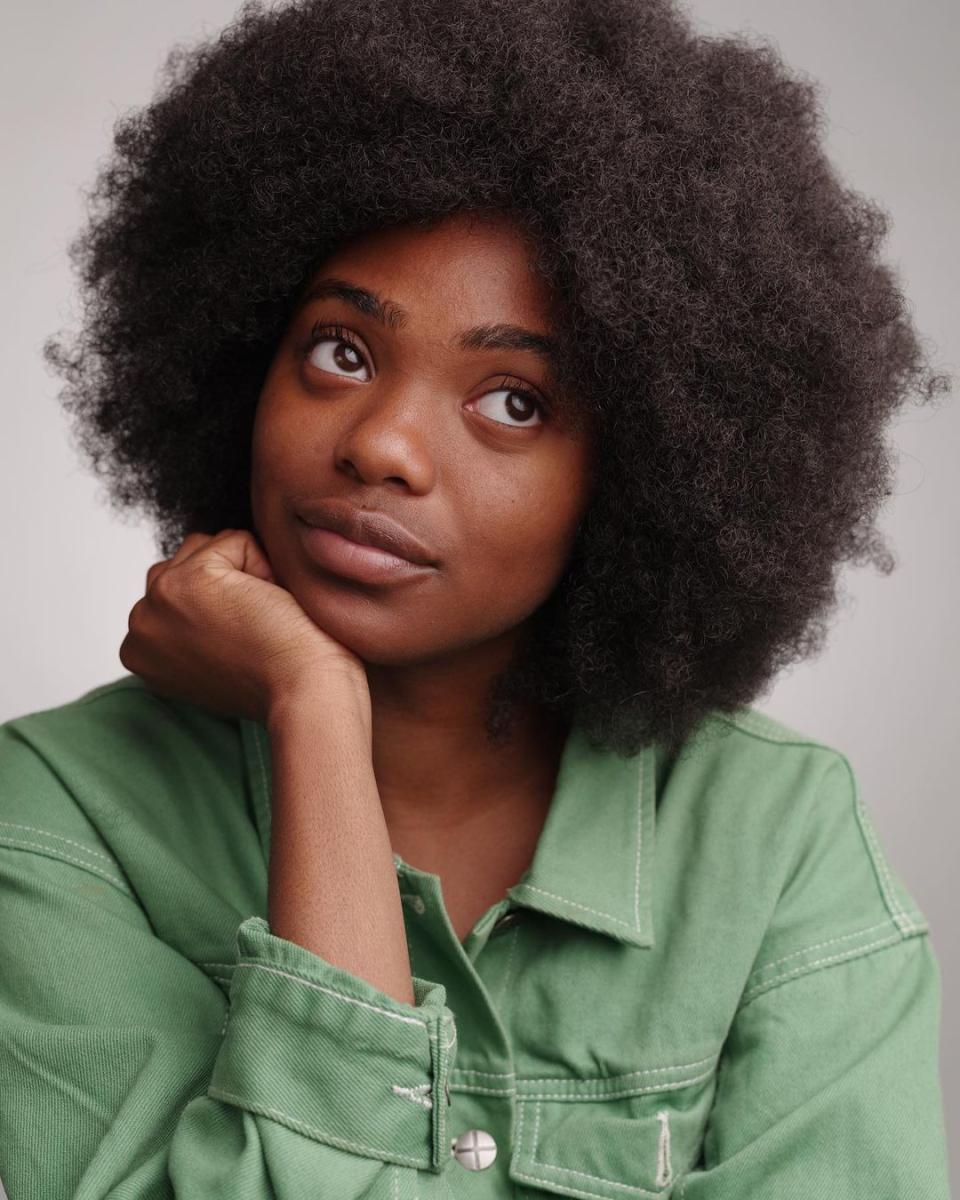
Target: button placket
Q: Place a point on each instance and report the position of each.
(466, 991)
(507, 921)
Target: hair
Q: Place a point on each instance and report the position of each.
(729, 329)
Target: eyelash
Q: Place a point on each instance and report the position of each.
(321, 331)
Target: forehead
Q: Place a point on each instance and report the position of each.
(461, 269)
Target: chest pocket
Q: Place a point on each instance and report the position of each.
(611, 1138)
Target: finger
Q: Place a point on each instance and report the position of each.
(191, 543)
(243, 552)
(256, 561)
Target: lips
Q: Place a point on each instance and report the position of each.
(367, 528)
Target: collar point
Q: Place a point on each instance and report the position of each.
(622, 930)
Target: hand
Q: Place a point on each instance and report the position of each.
(215, 629)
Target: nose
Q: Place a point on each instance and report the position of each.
(388, 438)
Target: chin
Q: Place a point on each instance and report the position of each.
(359, 621)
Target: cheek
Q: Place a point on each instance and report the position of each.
(273, 438)
(510, 566)
(513, 552)
(284, 459)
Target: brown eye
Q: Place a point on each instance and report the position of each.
(331, 350)
(519, 404)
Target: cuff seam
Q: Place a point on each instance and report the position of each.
(324, 987)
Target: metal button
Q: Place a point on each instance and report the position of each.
(507, 920)
(474, 1149)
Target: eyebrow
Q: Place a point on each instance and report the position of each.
(500, 336)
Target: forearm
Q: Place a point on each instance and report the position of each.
(332, 883)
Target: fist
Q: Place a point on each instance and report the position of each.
(215, 629)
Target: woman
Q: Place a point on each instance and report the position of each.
(508, 383)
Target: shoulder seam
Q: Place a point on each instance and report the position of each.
(903, 920)
(744, 719)
(818, 964)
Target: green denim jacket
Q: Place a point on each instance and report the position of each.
(710, 984)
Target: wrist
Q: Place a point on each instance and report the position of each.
(332, 702)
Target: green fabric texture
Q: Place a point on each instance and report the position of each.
(709, 984)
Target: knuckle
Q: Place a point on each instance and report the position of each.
(163, 583)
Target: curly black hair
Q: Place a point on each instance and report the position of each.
(729, 329)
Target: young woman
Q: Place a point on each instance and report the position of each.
(507, 383)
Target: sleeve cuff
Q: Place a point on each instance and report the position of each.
(326, 1053)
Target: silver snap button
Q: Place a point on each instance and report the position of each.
(475, 1149)
(507, 920)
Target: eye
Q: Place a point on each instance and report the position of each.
(518, 402)
(331, 348)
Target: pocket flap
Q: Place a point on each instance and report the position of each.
(615, 1137)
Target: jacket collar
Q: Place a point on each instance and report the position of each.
(593, 864)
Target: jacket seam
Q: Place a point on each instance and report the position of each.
(54, 852)
(299, 1126)
(638, 1090)
(843, 937)
(253, 964)
(747, 722)
(894, 939)
(57, 837)
(881, 867)
(621, 1077)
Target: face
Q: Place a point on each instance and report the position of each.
(377, 403)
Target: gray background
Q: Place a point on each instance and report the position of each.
(885, 689)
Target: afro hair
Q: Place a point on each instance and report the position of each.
(729, 327)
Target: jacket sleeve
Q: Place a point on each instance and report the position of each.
(127, 1074)
(828, 1083)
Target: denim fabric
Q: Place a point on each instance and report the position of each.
(709, 984)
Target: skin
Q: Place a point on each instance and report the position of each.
(374, 696)
(412, 425)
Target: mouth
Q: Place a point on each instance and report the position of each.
(357, 560)
(367, 528)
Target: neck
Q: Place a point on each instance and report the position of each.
(434, 764)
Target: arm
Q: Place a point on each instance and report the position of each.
(126, 1075)
(828, 1083)
(333, 886)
